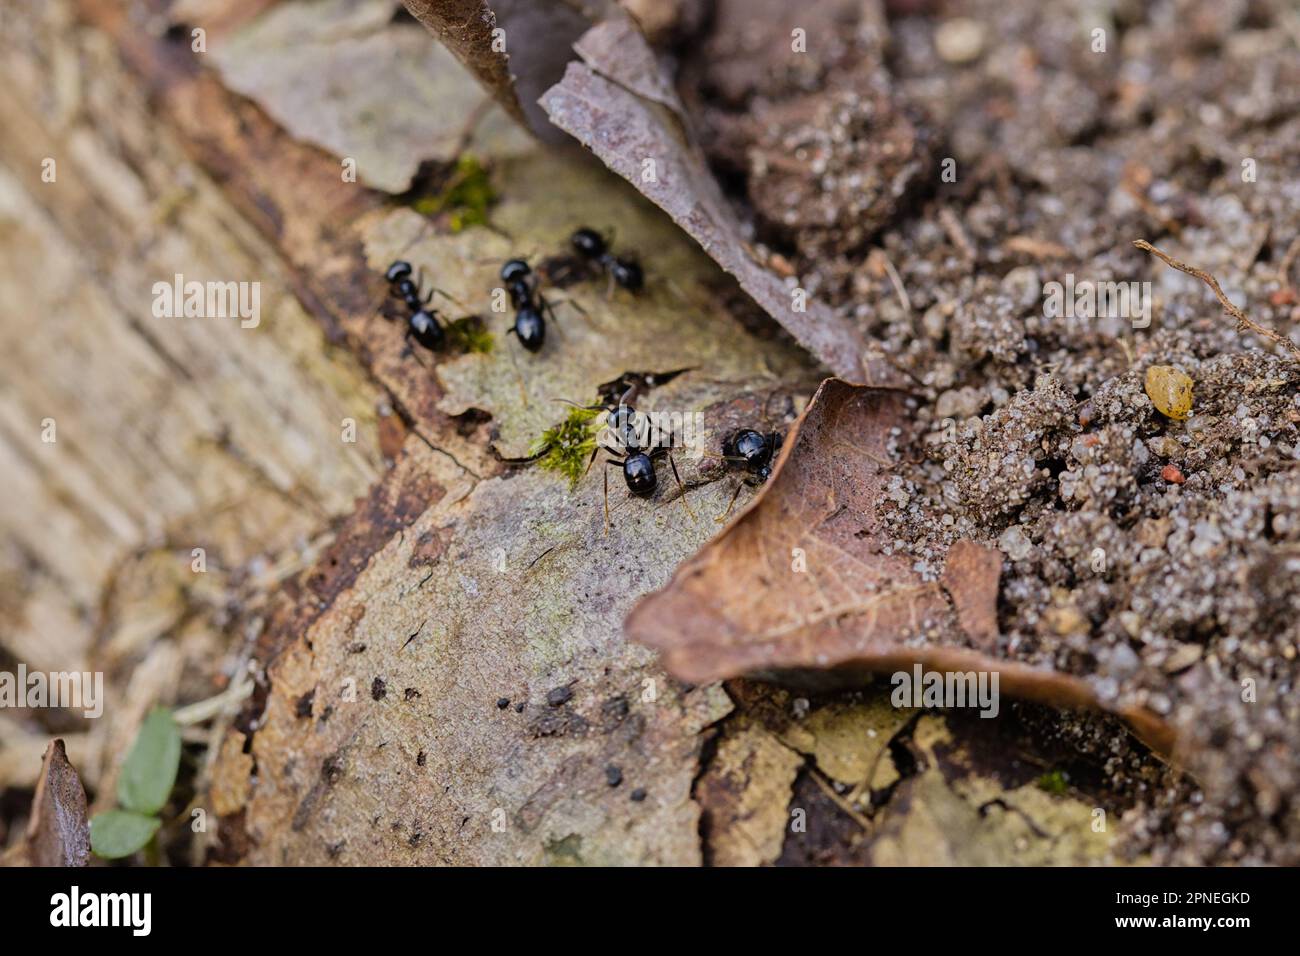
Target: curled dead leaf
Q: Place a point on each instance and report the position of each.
(516, 48)
(617, 105)
(466, 28)
(800, 587)
(58, 833)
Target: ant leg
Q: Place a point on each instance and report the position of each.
(680, 486)
(409, 350)
(731, 504)
(434, 290)
(607, 500)
(576, 307)
(673, 288)
(523, 394)
(616, 462)
(546, 308)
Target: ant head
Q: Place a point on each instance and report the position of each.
(401, 269)
(588, 242)
(623, 421)
(515, 270)
(620, 415)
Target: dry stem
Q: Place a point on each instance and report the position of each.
(1243, 321)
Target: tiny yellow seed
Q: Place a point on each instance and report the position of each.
(1170, 390)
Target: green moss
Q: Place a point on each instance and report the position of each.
(1054, 781)
(470, 335)
(567, 447)
(465, 198)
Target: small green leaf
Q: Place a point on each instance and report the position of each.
(150, 768)
(118, 833)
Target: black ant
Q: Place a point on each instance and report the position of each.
(622, 272)
(529, 303)
(635, 455)
(755, 451)
(422, 323)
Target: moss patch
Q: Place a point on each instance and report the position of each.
(470, 334)
(566, 448)
(1054, 781)
(464, 199)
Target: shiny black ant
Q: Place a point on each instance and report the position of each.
(622, 272)
(755, 451)
(422, 323)
(529, 303)
(635, 453)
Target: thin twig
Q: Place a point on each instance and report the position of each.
(1243, 320)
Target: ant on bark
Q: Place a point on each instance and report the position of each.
(523, 285)
(422, 324)
(636, 450)
(623, 272)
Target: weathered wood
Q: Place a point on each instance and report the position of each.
(171, 433)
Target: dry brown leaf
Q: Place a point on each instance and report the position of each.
(621, 116)
(970, 576)
(58, 833)
(800, 585)
(743, 796)
(961, 811)
(516, 48)
(616, 50)
(465, 28)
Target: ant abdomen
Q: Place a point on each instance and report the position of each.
(426, 330)
(530, 327)
(639, 473)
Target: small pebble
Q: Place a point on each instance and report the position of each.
(638, 794)
(1183, 658)
(959, 40)
(1014, 544)
(613, 775)
(1172, 473)
(559, 696)
(1170, 391)
(503, 703)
